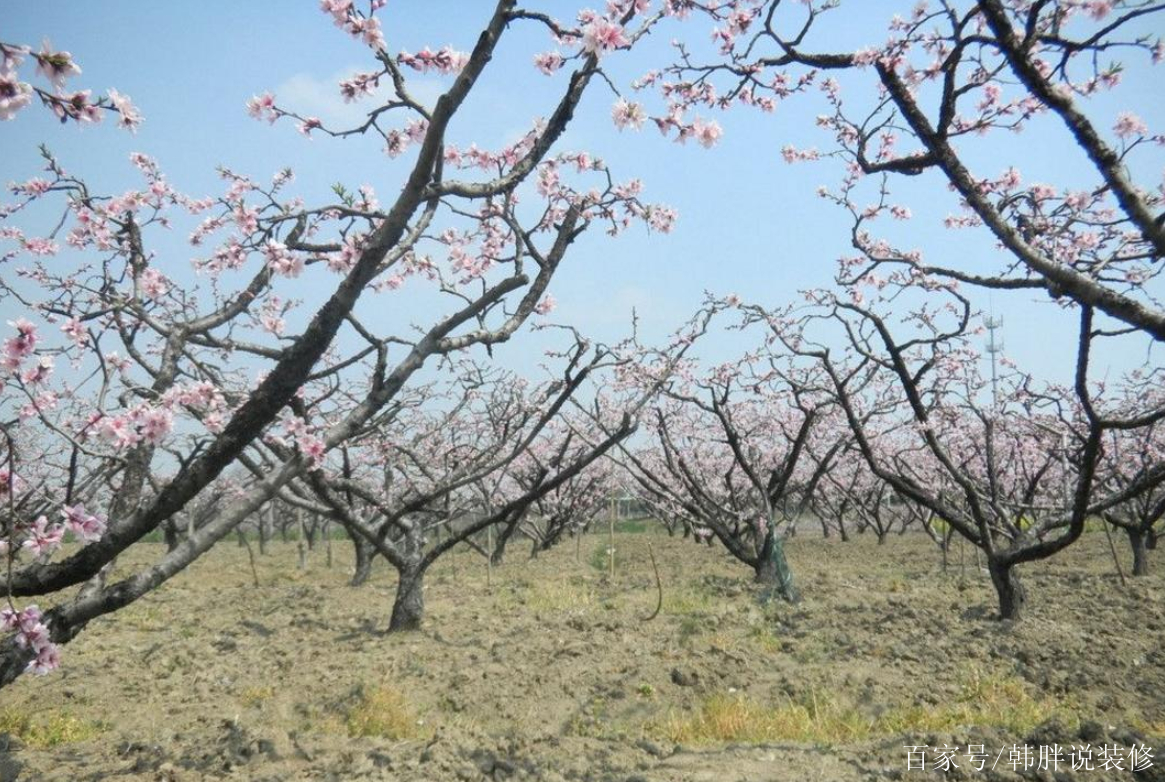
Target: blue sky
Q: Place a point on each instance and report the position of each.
(749, 223)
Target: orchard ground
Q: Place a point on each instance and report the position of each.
(553, 673)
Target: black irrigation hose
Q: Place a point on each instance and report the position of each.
(658, 585)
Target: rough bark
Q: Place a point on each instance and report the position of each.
(408, 608)
(1137, 540)
(364, 555)
(1012, 595)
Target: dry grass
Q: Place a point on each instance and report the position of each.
(561, 596)
(255, 696)
(821, 718)
(985, 699)
(734, 718)
(382, 712)
(48, 730)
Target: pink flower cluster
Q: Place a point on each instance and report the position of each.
(601, 35)
(282, 261)
(19, 347)
(14, 94)
(144, 423)
(444, 61)
(400, 140)
(56, 67)
(359, 85)
(366, 28)
(32, 633)
(548, 62)
(43, 537)
(546, 305)
(627, 114)
(263, 107)
(309, 444)
(706, 132)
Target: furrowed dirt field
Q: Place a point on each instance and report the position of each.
(553, 674)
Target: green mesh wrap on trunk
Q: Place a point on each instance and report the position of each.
(777, 577)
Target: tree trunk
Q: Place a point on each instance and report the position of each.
(882, 536)
(364, 556)
(312, 529)
(327, 533)
(264, 529)
(1140, 553)
(498, 555)
(408, 609)
(301, 538)
(1012, 595)
(772, 571)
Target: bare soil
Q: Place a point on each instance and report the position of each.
(553, 673)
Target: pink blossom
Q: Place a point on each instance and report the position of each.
(1098, 9)
(546, 306)
(48, 658)
(22, 345)
(154, 424)
(9, 482)
(154, 284)
(339, 10)
(791, 154)
(130, 116)
(43, 537)
(263, 107)
(548, 62)
(55, 66)
(368, 30)
(76, 107)
(358, 85)
(661, 218)
(602, 35)
(707, 133)
(14, 94)
(41, 247)
(1129, 124)
(83, 524)
(39, 372)
(118, 431)
(308, 125)
(444, 61)
(33, 187)
(312, 448)
(31, 633)
(343, 261)
(282, 261)
(272, 324)
(627, 114)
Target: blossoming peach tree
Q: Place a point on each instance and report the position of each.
(737, 449)
(133, 386)
(1016, 467)
(427, 478)
(916, 114)
(933, 100)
